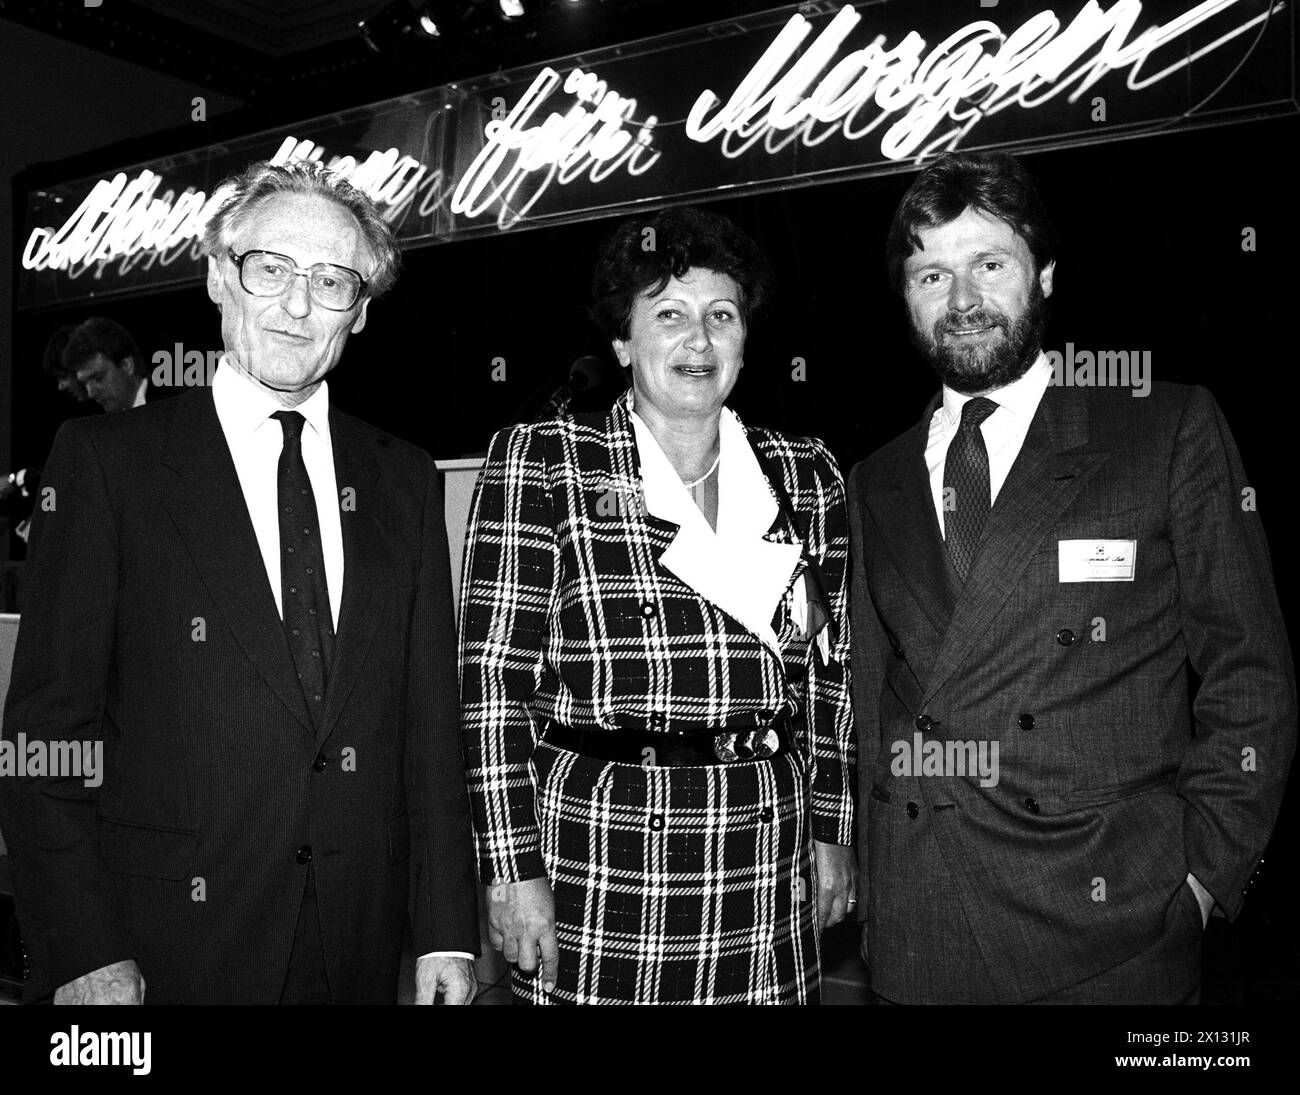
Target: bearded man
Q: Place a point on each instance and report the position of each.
(1049, 812)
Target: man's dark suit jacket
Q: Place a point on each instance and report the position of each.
(154, 392)
(150, 623)
(1112, 785)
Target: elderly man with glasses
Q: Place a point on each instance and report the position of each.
(259, 590)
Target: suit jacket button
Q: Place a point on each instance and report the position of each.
(304, 854)
(649, 609)
(658, 720)
(766, 814)
(656, 822)
(1025, 722)
(1065, 636)
(913, 810)
(1031, 804)
(924, 723)
(320, 763)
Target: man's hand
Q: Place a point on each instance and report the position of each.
(521, 925)
(836, 871)
(120, 983)
(446, 974)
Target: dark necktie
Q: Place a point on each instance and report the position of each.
(304, 597)
(966, 492)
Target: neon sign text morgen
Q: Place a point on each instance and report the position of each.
(970, 75)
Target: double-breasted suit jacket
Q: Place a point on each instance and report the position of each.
(150, 624)
(1113, 783)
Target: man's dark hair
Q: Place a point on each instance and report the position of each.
(100, 335)
(644, 253)
(52, 359)
(994, 183)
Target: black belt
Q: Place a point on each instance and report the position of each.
(664, 750)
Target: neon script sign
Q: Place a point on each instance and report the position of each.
(799, 92)
(970, 75)
(120, 217)
(564, 147)
(123, 217)
(518, 160)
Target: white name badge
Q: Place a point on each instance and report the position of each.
(1097, 560)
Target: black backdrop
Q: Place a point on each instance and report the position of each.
(1151, 259)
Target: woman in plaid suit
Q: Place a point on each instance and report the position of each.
(654, 640)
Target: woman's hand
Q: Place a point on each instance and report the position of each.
(521, 925)
(836, 871)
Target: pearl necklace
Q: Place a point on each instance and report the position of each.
(696, 482)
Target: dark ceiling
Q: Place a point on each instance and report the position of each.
(290, 59)
(271, 27)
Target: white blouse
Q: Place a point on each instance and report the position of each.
(733, 567)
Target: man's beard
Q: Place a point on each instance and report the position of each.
(971, 369)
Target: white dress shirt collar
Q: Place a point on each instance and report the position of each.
(243, 404)
(1004, 431)
(1021, 397)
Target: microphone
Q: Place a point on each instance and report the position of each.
(588, 374)
(16, 491)
(585, 373)
(11, 485)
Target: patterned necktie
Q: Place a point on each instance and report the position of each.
(304, 597)
(966, 492)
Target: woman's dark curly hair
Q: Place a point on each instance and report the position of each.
(641, 255)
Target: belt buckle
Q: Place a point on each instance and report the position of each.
(745, 745)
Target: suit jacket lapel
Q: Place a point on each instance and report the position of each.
(367, 563)
(208, 509)
(902, 505)
(1053, 465)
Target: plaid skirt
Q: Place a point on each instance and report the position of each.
(677, 885)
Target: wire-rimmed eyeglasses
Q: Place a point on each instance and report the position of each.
(268, 274)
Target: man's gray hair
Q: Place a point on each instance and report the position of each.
(241, 193)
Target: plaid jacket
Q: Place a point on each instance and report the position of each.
(566, 614)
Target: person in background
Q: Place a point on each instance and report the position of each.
(52, 364)
(96, 359)
(654, 689)
(107, 363)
